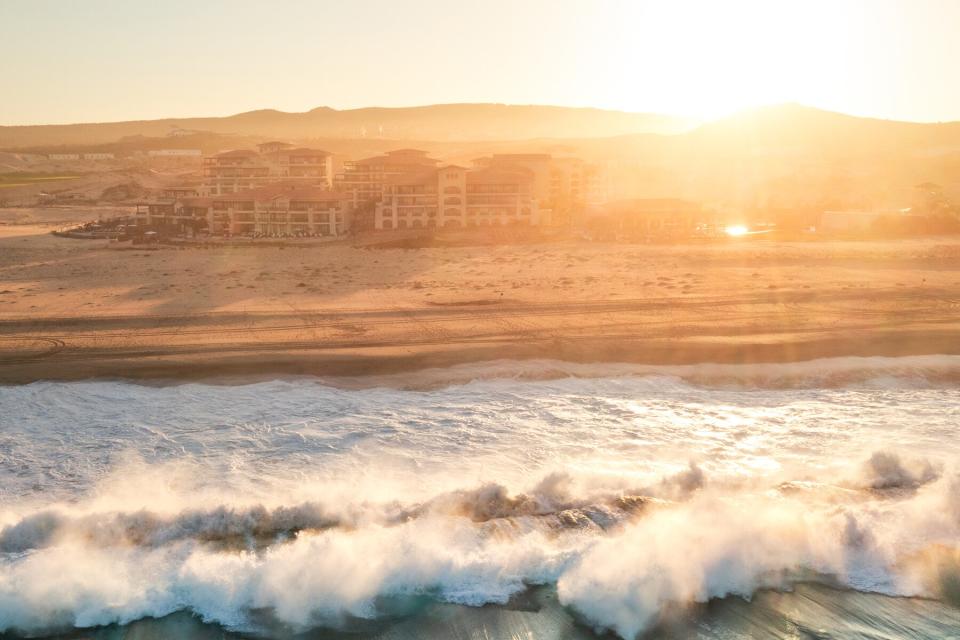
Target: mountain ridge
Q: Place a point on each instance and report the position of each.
(457, 121)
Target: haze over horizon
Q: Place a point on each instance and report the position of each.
(693, 121)
(106, 61)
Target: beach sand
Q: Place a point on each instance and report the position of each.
(73, 309)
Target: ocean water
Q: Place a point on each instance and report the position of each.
(502, 500)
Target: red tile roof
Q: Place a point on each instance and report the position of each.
(399, 159)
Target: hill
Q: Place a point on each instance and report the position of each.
(434, 122)
(786, 157)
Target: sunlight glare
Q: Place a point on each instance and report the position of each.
(734, 55)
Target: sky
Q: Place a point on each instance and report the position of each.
(105, 60)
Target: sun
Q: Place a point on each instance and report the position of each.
(733, 55)
(737, 230)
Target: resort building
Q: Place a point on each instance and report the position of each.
(234, 171)
(365, 179)
(86, 155)
(282, 209)
(455, 197)
(181, 191)
(172, 214)
(174, 153)
(177, 132)
(560, 185)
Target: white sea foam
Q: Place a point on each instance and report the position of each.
(305, 505)
(853, 371)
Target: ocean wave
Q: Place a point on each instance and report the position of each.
(620, 561)
(874, 372)
(549, 506)
(629, 493)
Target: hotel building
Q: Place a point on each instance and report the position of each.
(234, 171)
(560, 185)
(456, 197)
(365, 179)
(285, 208)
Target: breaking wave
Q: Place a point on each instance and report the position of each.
(282, 506)
(620, 561)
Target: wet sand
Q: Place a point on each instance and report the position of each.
(74, 309)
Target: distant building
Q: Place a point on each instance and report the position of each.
(273, 147)
(278, 209)
(93, 155)
(455, 197)
(234, 171)
(182, 191)
(175, 153)
(181, 133)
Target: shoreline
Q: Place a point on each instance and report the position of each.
(246, 364)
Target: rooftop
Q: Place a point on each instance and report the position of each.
(305, 150)
(237, 153)
(400, 159)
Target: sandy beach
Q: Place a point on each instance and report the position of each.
(73, 309)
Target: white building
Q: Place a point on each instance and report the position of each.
(174, 153)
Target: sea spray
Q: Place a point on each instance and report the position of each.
(635, 495)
